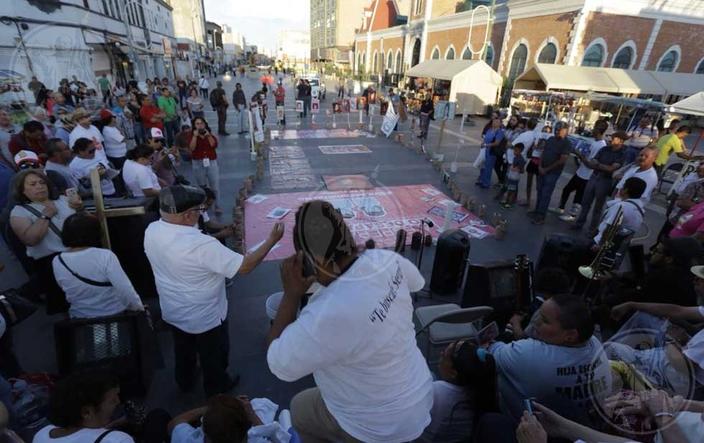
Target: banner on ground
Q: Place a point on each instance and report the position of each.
(390, 121)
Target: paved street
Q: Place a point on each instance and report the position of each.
(388, 164)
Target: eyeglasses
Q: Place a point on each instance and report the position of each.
(28, 165)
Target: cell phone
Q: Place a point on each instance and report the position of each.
(488, 334)
(202, 131)
(528, 405)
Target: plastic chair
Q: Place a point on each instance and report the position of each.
(448, 322)
(670, 174)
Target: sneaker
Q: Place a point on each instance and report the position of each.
(557, 210)
(538, 220)
(568, 218)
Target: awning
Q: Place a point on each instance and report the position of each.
(692, 105)
(579, 78)
(440, 69)
(93, 37)
(676, 83)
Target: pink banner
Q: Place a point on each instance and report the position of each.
(373, 213)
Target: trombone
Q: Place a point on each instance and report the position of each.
(606, 256)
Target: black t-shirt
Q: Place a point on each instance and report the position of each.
(554, 149)
(607, 157)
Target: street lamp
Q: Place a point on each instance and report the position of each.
(5, 20)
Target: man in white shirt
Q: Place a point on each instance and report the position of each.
(629, 202)
(203, 85)
(644, 170)
(356, 336)
(527, 137)
(639, 137)
(84, 129)
(190, 269)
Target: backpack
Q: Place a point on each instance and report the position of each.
(214, 98)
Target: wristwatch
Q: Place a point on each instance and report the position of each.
(45, 217)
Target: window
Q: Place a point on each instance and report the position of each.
(450, 54)
(489, 55)
(594, 55)
(700, 68)
(518, 61)
(419, 7)
(624, 58)
(548, 54)
(669, 62)
(398, 62)
(106, 11)
(374, 64)
(466, 54)
(390, 62)
(436, 54)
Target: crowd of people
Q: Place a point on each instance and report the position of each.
(346, 313)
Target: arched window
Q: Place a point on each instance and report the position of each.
(489, 55)
(390, 62)
(398, 67)
(450, 54)
(548, 54)
(669, 62)
(518, 61)
(466, 54)
(374, 63)
(415, 55)
(700, 68)
(594, 55)
(624, 58)
(436, 54)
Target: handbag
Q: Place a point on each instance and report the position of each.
(14, 308)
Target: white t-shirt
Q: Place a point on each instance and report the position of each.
(632, 215)
(89, 301)
(528, 139)
(138, 177)
(694, 350)
(84, 435)
(650, 176)
(452, 416)
(51, 242)
(584, 172)
(115, 145)
(190, 270)
(356, 336)
(83, 166)
(90, 133)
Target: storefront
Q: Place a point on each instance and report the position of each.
(472, 84)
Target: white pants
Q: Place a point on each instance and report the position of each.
(208, 176)
(243, 120)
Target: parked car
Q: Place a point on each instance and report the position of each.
(316, 85)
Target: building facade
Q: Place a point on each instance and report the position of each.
(213, 44)
(232, 45)
(189, 30)
(86, 38)
(332, 29)
(513, 35)
(293, 48)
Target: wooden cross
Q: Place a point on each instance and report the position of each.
(103, 214)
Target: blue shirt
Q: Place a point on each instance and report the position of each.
(493, 135)
(6, 174)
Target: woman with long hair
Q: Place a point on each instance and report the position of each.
(202, 146)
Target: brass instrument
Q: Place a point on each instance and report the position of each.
(606, 256)
(524, 282)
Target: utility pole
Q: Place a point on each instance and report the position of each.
(130, 39)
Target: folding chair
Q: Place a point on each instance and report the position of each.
(670, 174)
(448, 322)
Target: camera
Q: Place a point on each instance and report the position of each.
(202, 131)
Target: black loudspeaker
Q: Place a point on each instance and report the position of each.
(416, 240)
(450, 257)
(400, 246)
(566, 252)
(491, 284)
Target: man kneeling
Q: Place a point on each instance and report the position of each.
(355, 336)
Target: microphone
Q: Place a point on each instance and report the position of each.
(428, 222)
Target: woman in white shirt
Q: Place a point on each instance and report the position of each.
(114, 141)
(195, 104)
(92, 278)
(86, 160)
(139, 177)
(80, 410)
(37, 221)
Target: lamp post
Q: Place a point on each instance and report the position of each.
(130, 39)
(5, 20)
(196, 49)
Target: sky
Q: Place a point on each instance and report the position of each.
(259, 20)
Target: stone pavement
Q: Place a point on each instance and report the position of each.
(390, 163)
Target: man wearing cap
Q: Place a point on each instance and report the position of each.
(190, 269)
(552, 161)
(63, 131)
(639, 137)
(85, 129)
(218, 100)
(607, 160)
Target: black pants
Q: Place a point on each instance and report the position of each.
(204, 92)
(55, 297)
(493, 427)
(501, 167)
(576, 185)
(212, 349)
(222, 119)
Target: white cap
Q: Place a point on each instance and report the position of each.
(26, 156)
(156, 133)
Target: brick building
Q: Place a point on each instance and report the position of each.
(513, 35)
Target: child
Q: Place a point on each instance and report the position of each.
(514, 176)
(466, 389)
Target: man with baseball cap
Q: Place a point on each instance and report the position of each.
(190, 269)
(85, 129)
(609, 159)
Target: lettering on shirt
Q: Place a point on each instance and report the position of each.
(381, 311)
(581, 383)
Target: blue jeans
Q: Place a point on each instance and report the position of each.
(546, 186)
(487, 170)
(139, 133)
(171, 128)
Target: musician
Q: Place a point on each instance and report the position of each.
(629, 203)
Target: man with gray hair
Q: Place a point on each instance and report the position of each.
(190, 269)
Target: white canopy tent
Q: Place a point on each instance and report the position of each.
(474, 84)
(692, 105)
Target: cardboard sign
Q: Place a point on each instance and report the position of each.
(336, 108)
(280, 113)
(315, 106)
(299, 105)
(390, 121)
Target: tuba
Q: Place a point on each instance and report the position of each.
(605, 258)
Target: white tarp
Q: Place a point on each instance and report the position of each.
(692, 105)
